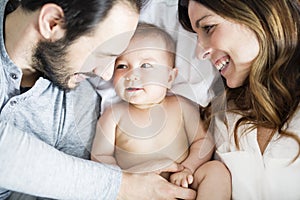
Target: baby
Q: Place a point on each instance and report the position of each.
(150, 126)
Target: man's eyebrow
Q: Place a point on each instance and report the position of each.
(89, 74)
(197, 23)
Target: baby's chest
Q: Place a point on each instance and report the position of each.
(150, 144)
(155, 131)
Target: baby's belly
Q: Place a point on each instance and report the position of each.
(132, 152)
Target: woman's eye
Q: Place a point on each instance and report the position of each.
(121, 66)
(208, 28)
(146, 65)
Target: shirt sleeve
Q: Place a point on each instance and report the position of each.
(28, 165)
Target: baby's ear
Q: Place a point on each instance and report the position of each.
(172, 75)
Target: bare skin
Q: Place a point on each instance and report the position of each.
(148, 134)
(153, 133)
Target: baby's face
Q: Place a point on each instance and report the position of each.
(143, 73)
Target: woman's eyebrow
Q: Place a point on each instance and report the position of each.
(197, 23)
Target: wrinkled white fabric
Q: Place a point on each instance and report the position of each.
(271, 176)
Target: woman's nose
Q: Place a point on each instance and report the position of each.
(203, 52)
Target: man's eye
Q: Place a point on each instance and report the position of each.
(146, 65)
(121, 66)
(208, 28)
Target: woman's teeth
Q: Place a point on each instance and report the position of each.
(220, 66)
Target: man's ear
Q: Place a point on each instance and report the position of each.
(172, 75)
(51, 21)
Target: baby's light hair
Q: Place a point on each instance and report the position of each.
(145, 29)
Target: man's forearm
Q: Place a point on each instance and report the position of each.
(29, 165)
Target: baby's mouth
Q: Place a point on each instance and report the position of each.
(133, 89)
(222, 63)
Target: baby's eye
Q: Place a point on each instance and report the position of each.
(208, 28)
(121, 66)
(146, 65)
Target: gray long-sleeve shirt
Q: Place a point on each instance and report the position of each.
(43, 132)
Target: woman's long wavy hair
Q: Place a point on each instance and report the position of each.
(270, 96)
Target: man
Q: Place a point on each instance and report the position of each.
(44, 125)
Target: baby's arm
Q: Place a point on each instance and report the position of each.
(201, 144)
(103, 144)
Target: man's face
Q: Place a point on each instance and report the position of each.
(93, 53)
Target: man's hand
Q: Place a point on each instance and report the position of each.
(151, 185)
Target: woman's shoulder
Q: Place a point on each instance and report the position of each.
(293, 124)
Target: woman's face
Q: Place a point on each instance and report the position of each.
(231, 47)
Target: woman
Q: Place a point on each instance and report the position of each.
(255, 46)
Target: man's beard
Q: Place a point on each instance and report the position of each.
(50, 59)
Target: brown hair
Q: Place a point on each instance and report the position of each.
(145, 29)
(271, 94)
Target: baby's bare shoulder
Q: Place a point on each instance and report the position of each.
(176, 99)
(116, 109)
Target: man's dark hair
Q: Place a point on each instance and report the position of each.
(81, 16)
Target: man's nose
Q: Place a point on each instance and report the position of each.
(106, 74)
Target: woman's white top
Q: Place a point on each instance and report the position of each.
(271, 176)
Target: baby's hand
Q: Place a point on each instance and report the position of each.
(182, 178)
